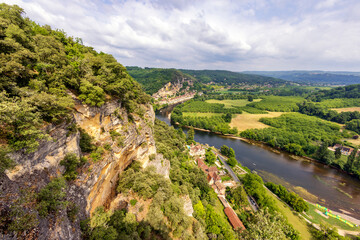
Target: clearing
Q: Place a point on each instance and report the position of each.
(247, 121)
(349, 109)
(230, 103)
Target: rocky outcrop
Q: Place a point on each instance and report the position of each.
(96, 182)
(161, 165)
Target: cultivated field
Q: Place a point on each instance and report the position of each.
(229, 103)
(199, 114)
(247, 121)
(349, 109)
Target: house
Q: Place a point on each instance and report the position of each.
(212, 178)
(223, 201)
(234, 219)
(219, 188)
(197, 150)
(212, 169)
(202, 165)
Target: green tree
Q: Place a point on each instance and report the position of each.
(337, 153)
(210, 157)
(190, 136)
(232, 161)
(71, 163)
(250, 98)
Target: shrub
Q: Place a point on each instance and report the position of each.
(86, 144)
(71, 162)
(133, 202)
(51, 198)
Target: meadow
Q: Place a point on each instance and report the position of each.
(348, 109)
(246, 121)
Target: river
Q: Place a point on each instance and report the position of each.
(313, 181)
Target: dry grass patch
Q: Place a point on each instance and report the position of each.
(246, 121)
(349, 109)
(199, 114)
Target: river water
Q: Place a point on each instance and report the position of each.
(313, 181)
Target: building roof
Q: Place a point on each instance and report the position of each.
(214, 176)
(234, 219)
(212, 169)
(202, 165)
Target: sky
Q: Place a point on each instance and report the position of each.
(218, 34)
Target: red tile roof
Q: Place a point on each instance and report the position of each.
(212, 169)
(234, 219)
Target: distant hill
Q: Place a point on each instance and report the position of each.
(153, 79)
(313, 77)
(228, 77)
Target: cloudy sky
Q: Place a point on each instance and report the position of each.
(235, 35)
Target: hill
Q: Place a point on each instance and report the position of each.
(350, 91)
(153, 79)
(228, 78)
(313, 77)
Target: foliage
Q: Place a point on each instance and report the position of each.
(5, 161)
(354, 125)
(312, 109)
(291, 198)
(71, 162)
(201, 106)
(296, 133)
(278, 104)
(51, 198)
(326, 233)
(133, 202)
(232, 161)
(237, 196)
(40, 67)
(349, 91)
(190, 136)
(228, 78)
(210, 157)
(266, 225)
(253, 185)
(86, 141)
(227, 151)
(153, 79)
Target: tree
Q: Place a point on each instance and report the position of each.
(250, 98)
(190, 136)
(51, 198)
(71, 163)
(210, 157)
(337, 153)
(232, 161)
(349, 166)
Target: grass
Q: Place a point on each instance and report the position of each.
(317, 218)
(298, 223)
(225, 178)
(348, 109)
(198, 114)
(247, 121)
(230, 103)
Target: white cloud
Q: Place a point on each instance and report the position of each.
(223, 34)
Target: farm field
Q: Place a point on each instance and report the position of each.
(278, 104)
(199, 114)
(229, 103)
(247, 121)
(349, 109)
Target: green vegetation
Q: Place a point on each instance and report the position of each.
(350, 91)
(291, 198)
(278, 104)
(227, 151)
(39, 66)
(200, 106)
(228, 78)
(296, 133)
(229, 103)
(86, 142)
(210, 157)
(340, 102)
(71, 162)
(51, 198)
(190, 136)
(318, 110)
(354, 125)
(237, 197)
(153, 79)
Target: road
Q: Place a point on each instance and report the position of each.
(251, 201)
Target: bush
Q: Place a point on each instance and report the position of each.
(71, 162)
(133, 202)
(232, 161)
(86, 144)
(51, 198)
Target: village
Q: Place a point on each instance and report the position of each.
(214, 180)
(344, 150)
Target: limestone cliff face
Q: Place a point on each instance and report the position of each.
(96, 183)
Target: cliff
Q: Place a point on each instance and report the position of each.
(96, 181)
